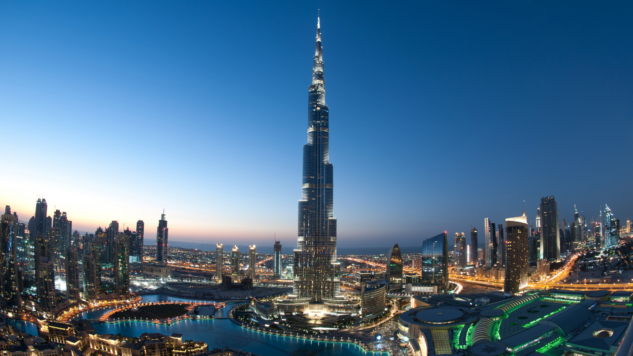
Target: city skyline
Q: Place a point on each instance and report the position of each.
(209, 205)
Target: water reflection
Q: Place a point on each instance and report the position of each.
(217, 333)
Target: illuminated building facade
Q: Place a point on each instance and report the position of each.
(122, 265)
(162, 234)
(8, 257)
(372, 299)
(435, 262)
(140, 236)
(235, 260)
(501, 248)
(277, 260)
(550, 239)
(110, 250)
(91, 278)
(516, 271)
(393, 275)
(219, 262)
(609, 228)
(72, 274)
(315, 267)
(461, 251)
(252, 262)
(474, 245)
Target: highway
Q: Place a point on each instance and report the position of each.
(552, 282)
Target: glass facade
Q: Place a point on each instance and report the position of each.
(435, 262)
(162, 235)
(219, 262)
(122, 265)
(277, 260)
(460, 250)
(517, 254)
(235, 259)
(474, 246)
(550, 239)
(394, 269)
(372, 299)
(315, 267)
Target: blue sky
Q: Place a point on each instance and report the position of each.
(442, 113)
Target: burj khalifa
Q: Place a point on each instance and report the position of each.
(316, 272)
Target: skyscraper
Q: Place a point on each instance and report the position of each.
(235, 260)
(110, 250)
(219, 262)
(140, 235)
(277, 260)
(8, 257)
(473, 246)
(550, 241)
(487, 243)
(252, 262)
(517, 264)
(393, 274)
(122, 265)
(460, 250)
(91, 275)
(72, 274)
(162, 234)
(609, 228)
(628, 226)
(40, 218)
(502, 246)
(435, 262)
(315, 266)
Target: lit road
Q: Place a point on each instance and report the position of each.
(552, 282)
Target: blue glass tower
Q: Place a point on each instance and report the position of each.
(315, 267)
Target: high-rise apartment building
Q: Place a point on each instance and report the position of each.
(9, 226)
(315, 267)
(435, 262)
(473, 246)
(162, 234)
(516, 276)
(219, 262)
(460, 250)
(40, 218)
(487, 243)
(140, 235)
(91, 278)
(393, 274)
(235, 260)
(550, 241)
(111, 232)
(72, 274)
(45, 273)
(122, 265)
(252, 262)
(501, 249)
(628, 226)
(277, 260)
(609, 228)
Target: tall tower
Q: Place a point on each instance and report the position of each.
(550, 240)
(72, 274)
(252, 262)
(235, 259)
(277, 260)
(122, 265)
(219, 262)
(473, 246)
(315, 266)
(161, 239)
(8, 257)
(140, 237)
(460, 250)
(393, 274)
(517, 254)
